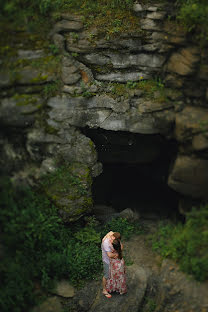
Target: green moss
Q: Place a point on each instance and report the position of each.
(50, 63)
(69, 188)
(24, 99)
(50, 130)
(88, 202)
(152, 89)
(119, 89)
(40, 78)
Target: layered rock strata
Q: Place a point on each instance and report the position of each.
(102, 85)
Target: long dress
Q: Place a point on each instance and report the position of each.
(117, 280)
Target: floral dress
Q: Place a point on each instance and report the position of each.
(117, 280)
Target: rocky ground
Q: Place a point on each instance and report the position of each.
(153, 285)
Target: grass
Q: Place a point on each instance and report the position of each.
(186, 243)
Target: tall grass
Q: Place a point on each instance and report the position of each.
(187, 243)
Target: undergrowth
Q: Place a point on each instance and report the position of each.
(187, 243)
(193, 15)
(37, 248)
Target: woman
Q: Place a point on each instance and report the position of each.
(117, 280)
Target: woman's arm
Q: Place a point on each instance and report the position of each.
(112, 255)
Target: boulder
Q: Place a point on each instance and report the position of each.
(64, 289)
(184, 61)
(137, 283)
(189, 122)
(189, 176)
(91, 299)
(129, 214)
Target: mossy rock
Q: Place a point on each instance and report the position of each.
(69, 188)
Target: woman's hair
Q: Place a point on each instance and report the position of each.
(117, 246)
(117, 235)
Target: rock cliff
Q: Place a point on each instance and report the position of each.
(151, 80)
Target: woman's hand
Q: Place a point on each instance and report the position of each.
(115, 256)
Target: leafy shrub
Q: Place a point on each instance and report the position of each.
(187, 244)
(39, 249)
(123, 226)
(193, 14)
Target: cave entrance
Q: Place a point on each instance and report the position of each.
(135, 172)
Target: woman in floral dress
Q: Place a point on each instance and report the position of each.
(117, 280)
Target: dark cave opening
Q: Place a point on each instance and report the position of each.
(135, 172)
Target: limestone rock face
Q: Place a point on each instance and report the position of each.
(67, 25)
(191, 121)
(109, 114)
(19, 111)
(123, 77)
(69, 189)
(103, 82)
(183, 62)
(189, 176)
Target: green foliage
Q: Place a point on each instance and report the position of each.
(193, 14)
(187, 244)
(32, 233)
(109, 17)
(150, 304)
(123, 226)
(85, 92)
(153, 89)
(131, 84)
(63, 178)
(54, 49)
(51, 89)
(28, 7)
(39, 249)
